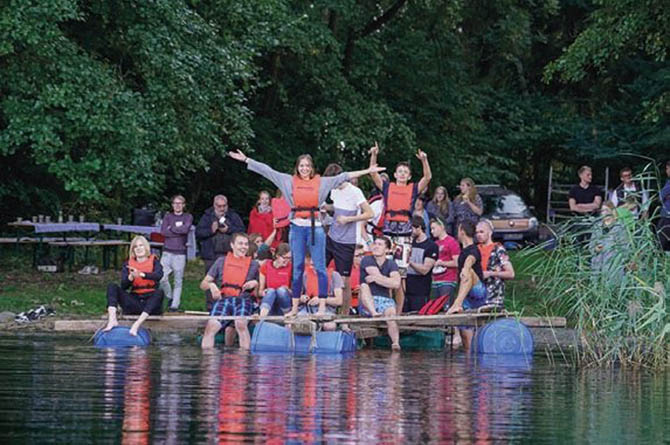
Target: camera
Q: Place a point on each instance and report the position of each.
(222, 220)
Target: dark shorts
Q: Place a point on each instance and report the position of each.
(232, 306)
(343, 255)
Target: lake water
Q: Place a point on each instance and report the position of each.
(61, 389)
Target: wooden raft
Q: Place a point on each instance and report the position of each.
(363, 327)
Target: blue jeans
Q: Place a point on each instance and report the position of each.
(278, 301)
(300, 239)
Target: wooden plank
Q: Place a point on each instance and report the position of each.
(416, 322)
(544, 322)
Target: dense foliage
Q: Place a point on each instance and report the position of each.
(112, 104)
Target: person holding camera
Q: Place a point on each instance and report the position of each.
(214, 231)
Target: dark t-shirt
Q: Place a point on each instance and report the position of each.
(585, 195)
(477, 266)
(387, 267)
(418, 284)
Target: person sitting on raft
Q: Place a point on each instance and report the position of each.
(141, 274)
(305, 192)
(309, 300)
(231, 281)
(471, 289)
(275, 283)
(378, 276)
(496, 265)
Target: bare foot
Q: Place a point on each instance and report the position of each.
(395, 347)
(377, 315)
(291, 314)
(111, 325)
(345, 328)
(133, 331)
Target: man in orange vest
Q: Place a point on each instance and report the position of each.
(399, 198)
(231, 280)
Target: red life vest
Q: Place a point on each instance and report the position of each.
(260, 223)
(234, 274)
(355, 282)
(280, 211)
(312, 281)
(276, 278)
(398, 202)
(434, 306)
(142, 285)
(306, 197)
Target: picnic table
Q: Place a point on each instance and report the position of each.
(148, 230)
(41, 241)
(38, 242)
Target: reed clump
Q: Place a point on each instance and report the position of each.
(609, 276)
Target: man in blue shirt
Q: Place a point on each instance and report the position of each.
(663, 227)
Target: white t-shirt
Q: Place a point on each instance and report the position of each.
(346, 201)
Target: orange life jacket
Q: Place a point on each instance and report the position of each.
(142, 285)
(355, 282)
(234, 274)
(306, 197)
(398, 202)
(280, 211)
(485, 252)
(312, 281)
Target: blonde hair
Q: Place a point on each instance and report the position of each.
(444, 205)
(139, 239)
(473, 189)
(258, 201)
(311, 163)
(486, 222)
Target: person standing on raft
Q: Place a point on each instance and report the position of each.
(305, 192)
(141, 274)
(399, 200)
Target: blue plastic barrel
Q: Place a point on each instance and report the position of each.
(507, 336)
(270, 337)
(120, 336)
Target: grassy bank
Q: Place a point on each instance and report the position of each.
(72, 294)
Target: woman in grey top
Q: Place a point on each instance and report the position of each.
(441, 207)
(305, 192)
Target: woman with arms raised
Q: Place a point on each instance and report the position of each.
(305, 192)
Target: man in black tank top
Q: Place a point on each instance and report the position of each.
(471, 288)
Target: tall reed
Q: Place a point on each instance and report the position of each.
(610, 278)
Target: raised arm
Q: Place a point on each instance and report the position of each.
(281, 180)
(427, 174)
(374, 151)
(373, 169)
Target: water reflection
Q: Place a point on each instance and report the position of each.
(71, 393)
